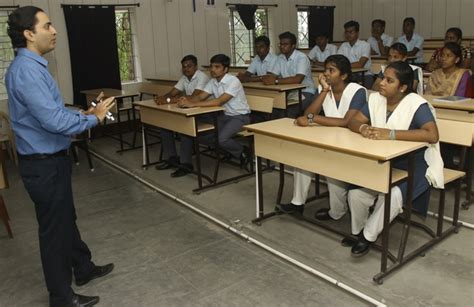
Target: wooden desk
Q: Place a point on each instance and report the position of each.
(181, 120)
(340, 154)
(278, 91)
(457, 111)
(119, 95)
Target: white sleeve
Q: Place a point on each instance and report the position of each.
(303, 65)
(233, 88)
(312, 54)
(253, 67)
(209, 88)
(365, 51)
(180, 85)
(202, 81)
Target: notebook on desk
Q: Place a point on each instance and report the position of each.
(451, 99)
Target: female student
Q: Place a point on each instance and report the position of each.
(450, 79)
(398, 52)
(340, 99)
(394, 113)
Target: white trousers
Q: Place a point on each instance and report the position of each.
(360, 200)
(337, 192)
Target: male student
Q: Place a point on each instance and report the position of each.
(379, 41)
(292, 67)
(228, 93)
(261, 64)
(321, 50)
(191, 83)
(412, 40)
(356, 50)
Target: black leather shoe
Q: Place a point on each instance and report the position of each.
(361, 248)
(348, 242)
(97, 272)
(84, 301)
(290, 208)
(182, 170)
(171, 162)
(323, 215)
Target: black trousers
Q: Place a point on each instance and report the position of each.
(48, 182)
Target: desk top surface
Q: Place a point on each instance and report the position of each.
(335, 138)
(173, 108)
(273, 87)
(109, 92)
(467, 105)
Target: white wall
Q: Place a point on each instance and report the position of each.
(169, 29)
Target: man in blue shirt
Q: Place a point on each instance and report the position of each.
(43, 129)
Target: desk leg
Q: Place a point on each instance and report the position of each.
(119, 123)
(469, 167)
(300, 103)
(409, 206)
(259, 192)
(281, 184)
(144, 147)
(286, 104)
(386, 228)
(134, 125)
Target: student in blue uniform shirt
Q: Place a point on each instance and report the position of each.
(228, 93)
(340, 99)
(261, 64)
(395, 113)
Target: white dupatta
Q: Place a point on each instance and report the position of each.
(401, 119)
(329, 104)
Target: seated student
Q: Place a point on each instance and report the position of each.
(453, 35)
(321, 50)
(191, 83)
(261, 63)
(412, 40)
(379, 41)
(340, 99)
(398, 52)
(292, 66)
(228, 93)
(395, 113)
(450, 79)
(356, 50)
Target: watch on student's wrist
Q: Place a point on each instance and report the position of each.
(310, 117)
(277, 81)
(168, 100)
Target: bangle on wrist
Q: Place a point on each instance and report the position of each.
(392, 135)
(362, 127)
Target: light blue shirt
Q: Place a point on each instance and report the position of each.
(259, 67)
(229, 84)
(359, 50)
(415, 42)
(297, 64)
(317, 55)
(198, 82)
(41, 122)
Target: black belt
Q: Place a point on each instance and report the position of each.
(61, 153)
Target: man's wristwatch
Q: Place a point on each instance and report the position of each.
(168, 100)
(276, 81)
(310, 118)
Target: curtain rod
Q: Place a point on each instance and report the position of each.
(131, 4)
(234, 4)
(9, 7)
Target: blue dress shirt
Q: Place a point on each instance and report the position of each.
(40, 121)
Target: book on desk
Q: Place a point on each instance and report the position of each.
(451, 99)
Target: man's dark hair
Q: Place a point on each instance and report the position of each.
(400, 48)
(191, 58)
(264, 39)
(409, 19)
(455, 31)
(21, 19)
(288, 35)
(221, 59)
(351, 24)
(379, 21)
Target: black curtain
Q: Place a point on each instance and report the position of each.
(247, 14)
(93, 51)
(320, 21)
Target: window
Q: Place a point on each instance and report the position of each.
(127, 45)
(303, 35)
(241, 39)
(6, 52)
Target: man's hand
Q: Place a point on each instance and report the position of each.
(269, 79)
(184, 102)
(160, 100)
(103, 107)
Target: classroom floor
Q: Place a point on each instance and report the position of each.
(167, 255)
